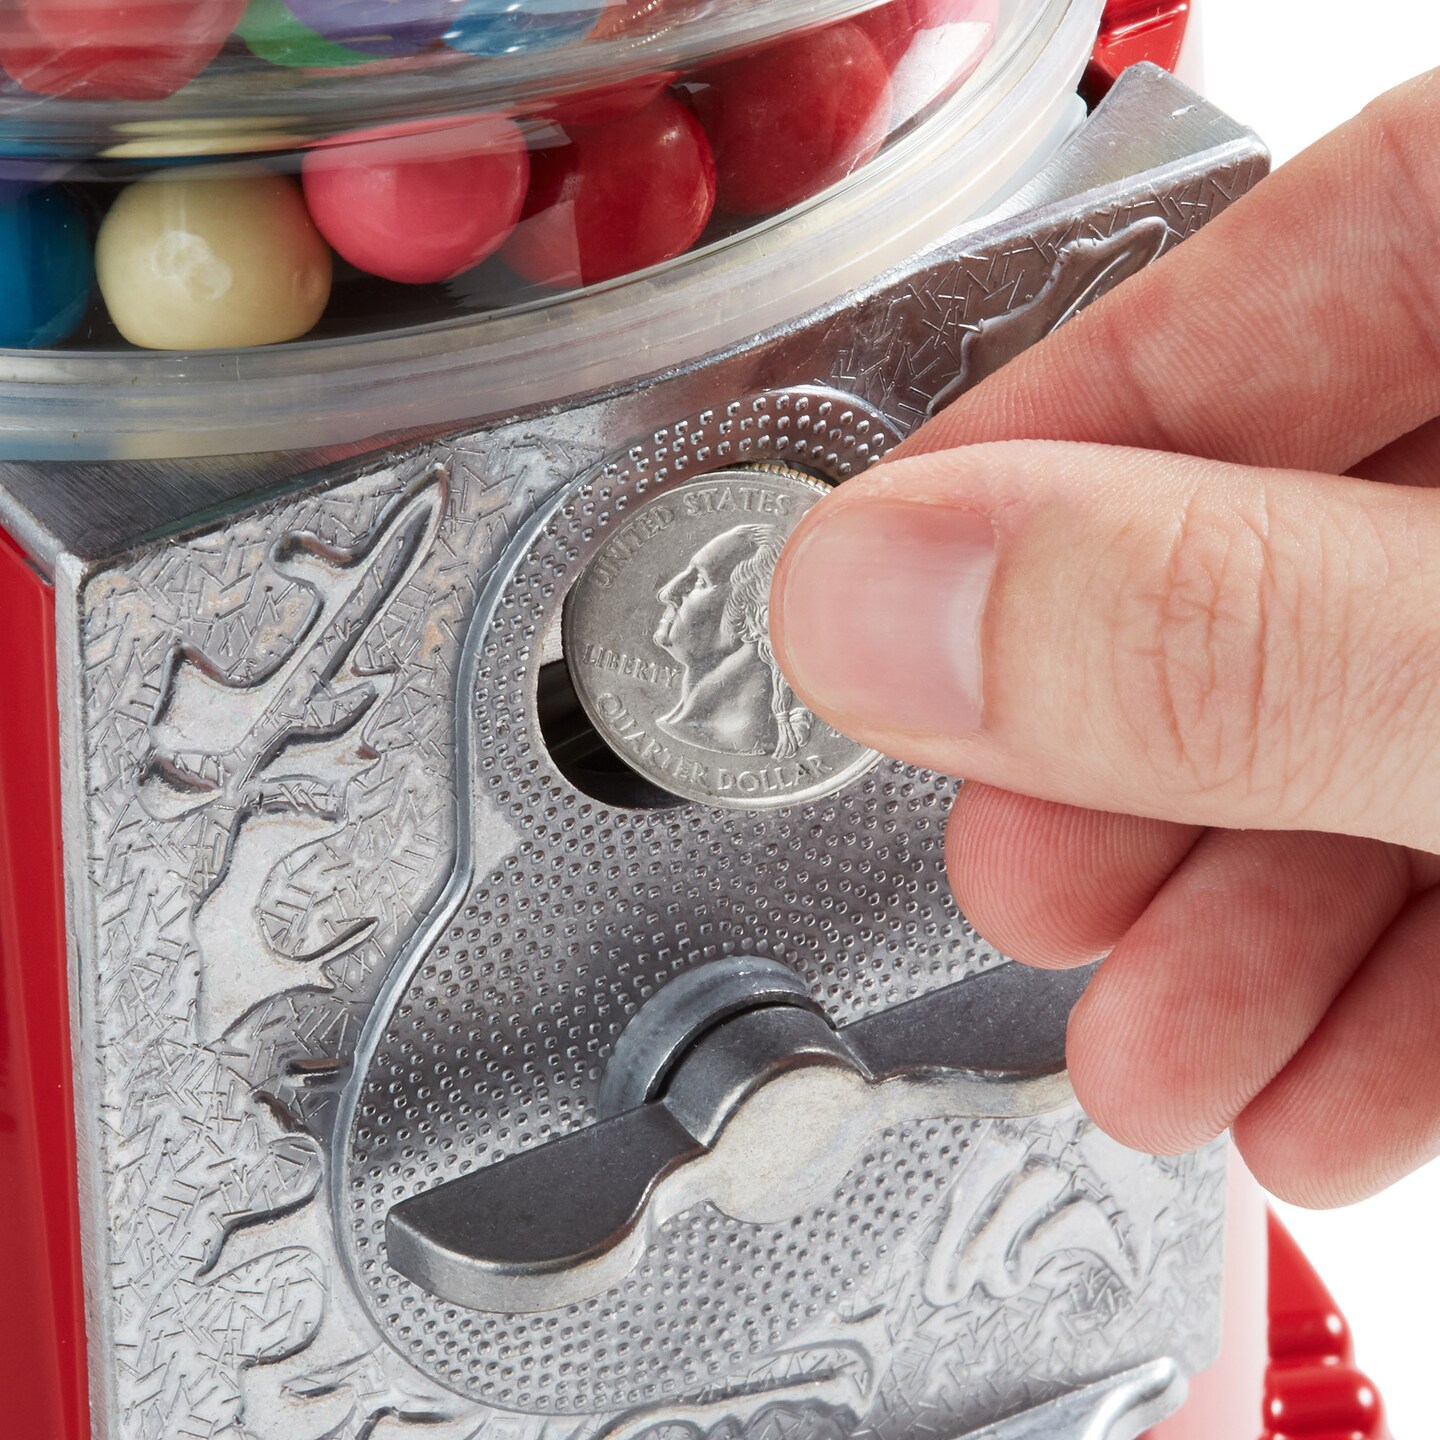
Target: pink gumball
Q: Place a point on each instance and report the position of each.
(419, 204)
(101, 50)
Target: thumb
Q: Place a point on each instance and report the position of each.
(1131, 631)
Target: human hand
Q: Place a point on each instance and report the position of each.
(1222, 631)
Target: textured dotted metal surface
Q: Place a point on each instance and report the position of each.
(500, 1038)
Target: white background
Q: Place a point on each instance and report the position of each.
(1294, 69)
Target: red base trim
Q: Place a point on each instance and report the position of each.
(42, 1316)
(1312, 1389)
(1132, 31)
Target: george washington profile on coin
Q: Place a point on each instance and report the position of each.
(667, 637)
(715, 620)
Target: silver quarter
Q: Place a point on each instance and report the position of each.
(667, 638)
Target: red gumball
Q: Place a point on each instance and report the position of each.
(929, 46)
(98, 49)
(609, 102)
(419, 204)
(620, 196)
(893, 28)
(890, 28)
(787, 121)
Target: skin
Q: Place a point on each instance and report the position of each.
(1208, 734)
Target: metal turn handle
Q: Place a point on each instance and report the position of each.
(733, 1088)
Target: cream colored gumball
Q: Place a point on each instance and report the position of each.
(204, 261)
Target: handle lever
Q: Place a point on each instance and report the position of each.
(761, 1115)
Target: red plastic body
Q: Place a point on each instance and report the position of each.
(1312, 1389)
(42, 1317)
(1132, 31)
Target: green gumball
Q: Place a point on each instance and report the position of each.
(276, 36)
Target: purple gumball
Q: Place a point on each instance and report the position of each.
(19, 176)
(376, 27)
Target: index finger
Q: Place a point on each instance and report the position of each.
(1300, 328)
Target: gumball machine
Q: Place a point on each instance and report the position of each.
(451, 986)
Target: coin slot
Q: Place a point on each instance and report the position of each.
(582, 755)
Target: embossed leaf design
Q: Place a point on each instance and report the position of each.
(1083, 270)
(1010, 1215)
(272, 1305)
(290, 742)
(380, 1387)
(778, 1420)
(327, 892)
(282, 1178)
(293, 1050)
(252, 1165)
(267, 1309)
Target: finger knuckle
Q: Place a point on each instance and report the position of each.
(1257, 670)
(1207, 691)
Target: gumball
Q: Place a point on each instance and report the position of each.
(45, 269)
(207, 260)
(512, 27)
(892, 27)
(98, 49)
(620, 196)
(635, 17)
(273, 34)
(608, 102)
(787, 121)
(376, 27)
(199, 140)
(929, 46)
(419, 206)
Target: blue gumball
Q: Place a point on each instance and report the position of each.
(46, 269)
(511, 27)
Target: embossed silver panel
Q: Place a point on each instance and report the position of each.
(340, 924)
